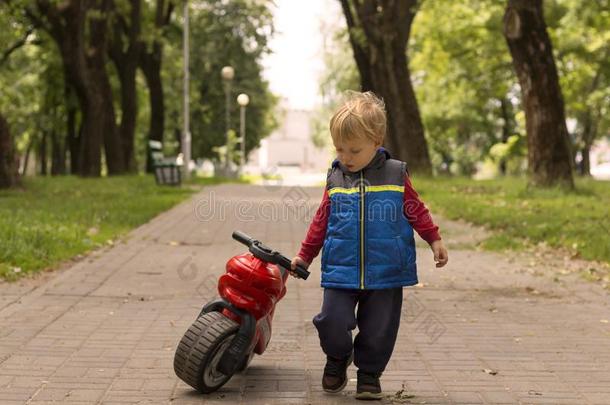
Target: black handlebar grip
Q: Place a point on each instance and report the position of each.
(300, 270)
(242, 238)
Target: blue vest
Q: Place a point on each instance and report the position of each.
(369, 242)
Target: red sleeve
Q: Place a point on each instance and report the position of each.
(418, 215)
(314, 240)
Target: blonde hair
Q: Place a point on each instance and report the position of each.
(361, 115)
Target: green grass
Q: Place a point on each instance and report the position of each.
(208, 181)
(54, 219)
(578, 221)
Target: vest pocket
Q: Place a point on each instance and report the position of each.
(325, 250)
(384, 261)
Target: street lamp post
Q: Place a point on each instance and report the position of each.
(243, 101)
(186, 133)
(227, 73)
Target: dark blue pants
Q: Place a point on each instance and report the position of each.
(377, 318)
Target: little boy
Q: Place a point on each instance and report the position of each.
(364, 227)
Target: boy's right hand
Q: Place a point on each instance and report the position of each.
(293, 265)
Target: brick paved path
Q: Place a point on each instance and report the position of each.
(482, 330)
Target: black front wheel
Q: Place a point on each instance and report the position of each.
(245, 363)
(200, 350)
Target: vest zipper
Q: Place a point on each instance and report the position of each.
(362, 250)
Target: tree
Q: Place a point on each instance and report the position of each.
(233, 33)
(51, 118)
(581, 34)
(464, 83)
(379, 33)
(124, 49)
(9, 166)
(150, 62)
(80, 30)
(549, 156)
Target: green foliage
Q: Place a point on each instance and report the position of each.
(511, 153)
(520, 217)
(234, 33)
(228, 151)
(54, 219)
(31, 81)
(580, 32)
(468, 93)
(461, 69)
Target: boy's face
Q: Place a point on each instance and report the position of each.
(355, 154)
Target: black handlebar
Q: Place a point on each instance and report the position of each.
(242, 238)
(259, 250)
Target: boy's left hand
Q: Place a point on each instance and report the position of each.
(441, 257)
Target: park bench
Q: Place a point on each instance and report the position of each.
(167, 170)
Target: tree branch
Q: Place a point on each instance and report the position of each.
(15, 46)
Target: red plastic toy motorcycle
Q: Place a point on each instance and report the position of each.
(230, 329)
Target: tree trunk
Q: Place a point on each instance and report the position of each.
(125, 55)
(84, 70)
(42, 154)
(589, 133)
(73, 139)
(151, 67)
(101, 82)
(381, 57)
(549, 155)
(8, 170)
(26, 158)
(585, 164)
(507, 127)
(590, 123)
(67, 27)
(150, 63)
(58, 155)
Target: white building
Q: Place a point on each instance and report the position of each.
(289, 150)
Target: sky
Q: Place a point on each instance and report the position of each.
(295, 64)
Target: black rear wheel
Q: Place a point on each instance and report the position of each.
(200, 350)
